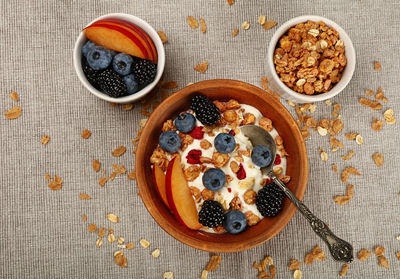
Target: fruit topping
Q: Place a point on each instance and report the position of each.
(206, 112)
(122, 63)
(144, 71)
(211, 214)
(241, 174)
(131, 84)
(235, 222)
(185, 122)
(193, 156)
(170, 141)
(99, 58)
(197, 133)
(269, 200)
(214, 179)
(112, 83)
(224, 143)
(91, 75)
(87, 47)
(261, 156)
(278, 159)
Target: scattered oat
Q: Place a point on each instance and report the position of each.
(163, 37)
(111, 237)
(346, 173)
(119, 151)
(119, 169)
(102, 181)
(344, 270)
(96, 165)
(375, 105)
(120, 259)
(377, 66)
(84, 218)
(294, 265)
(317, 254)
(203, 25)
(398, 255)
(369, 92)
(291, 103)
(324, 156)
(112, 218)
(132, 175)
(379, 250)
(127, 107)
(230, 2)
(341, 200)
(261, 19)
(56, 184)
(13, 113)
(245, 25)
(144, 243)
(269, 24)
(322, 131)
(129, 246)
(86, 134)
(45, 139)
(213, 263)
(193, 23)
(204, 274)
(114, 105)
(235, 32)
(359, 139)
(349, 155)
(48, 177)
(92, 228)
(351, 136)
(101, 232)
(99, 241)
(377, 124)
(84, 197)
(202, 67)
(363, 255)
(297, 274)
(378, 159)
(14, 96)
(142, 122)
(335, 142)
(168, 275)
(382, 261)
(328, 102)
(155, 253)
(389, 117)
(334, 168)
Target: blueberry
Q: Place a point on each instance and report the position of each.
(87, 47)
(214, 179)
(99, 58)
(234, 222)
(131, 84)
(225, 143)
(122, 63)
(261, 156)
(170, 141)
(185, 122)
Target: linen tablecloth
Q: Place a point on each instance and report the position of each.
(42, 234)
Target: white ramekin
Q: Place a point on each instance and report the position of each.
(160, 65)
(279, 87)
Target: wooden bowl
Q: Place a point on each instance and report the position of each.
(269, 106)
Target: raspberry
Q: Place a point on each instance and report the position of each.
(241, 174)
(193, 156)
(197, 133)
(211, 214)
(278, 159)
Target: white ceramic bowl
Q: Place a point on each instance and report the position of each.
(160, 65)
(279, 87)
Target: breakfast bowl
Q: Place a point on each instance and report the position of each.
(123, 32)
(275, 81)
(222, 90)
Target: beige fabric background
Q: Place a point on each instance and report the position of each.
(41, 232)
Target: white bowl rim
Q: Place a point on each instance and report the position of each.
(347, 73)
(77, 56)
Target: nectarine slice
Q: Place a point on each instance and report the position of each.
(159, 180)
(136, 31)
(179, 196)
(116, 38)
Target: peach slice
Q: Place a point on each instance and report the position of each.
(179, 196)
(159, 180)
(136, 31)
(116, 38)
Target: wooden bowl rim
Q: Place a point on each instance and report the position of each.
(152, 207)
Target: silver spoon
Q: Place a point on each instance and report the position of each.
(340, 249)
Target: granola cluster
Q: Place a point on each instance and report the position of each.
(310, 58)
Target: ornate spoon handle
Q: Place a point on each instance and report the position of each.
(340, 249)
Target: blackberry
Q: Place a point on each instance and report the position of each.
(206, 112)
(91, 75)
(112, 83)
(270, 200)
(211, 214)
(144, 71)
